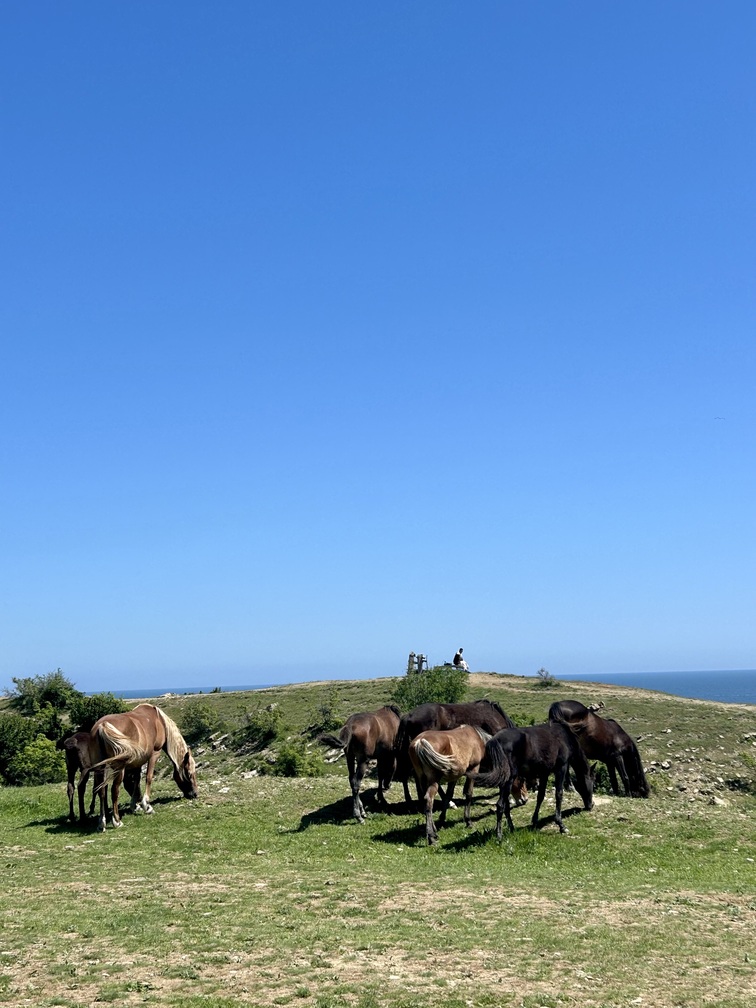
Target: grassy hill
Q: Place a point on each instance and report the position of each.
(263, 891)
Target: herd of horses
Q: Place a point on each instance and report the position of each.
(443, 743)
(435, 744)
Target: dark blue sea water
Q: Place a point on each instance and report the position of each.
(727, 685)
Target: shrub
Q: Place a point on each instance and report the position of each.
(85, 710)
(39, 762)
(199, 720)
(30, 695)
(545, 680)
(16, 731)
(261, 727)
(294, 759)
(440, 684)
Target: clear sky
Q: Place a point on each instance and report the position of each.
(333, 331)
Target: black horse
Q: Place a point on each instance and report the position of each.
(534, 753)
(484, 714)
(605, 740)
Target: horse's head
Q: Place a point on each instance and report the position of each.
(185, 775)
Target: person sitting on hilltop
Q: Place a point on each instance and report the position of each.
(459, 661)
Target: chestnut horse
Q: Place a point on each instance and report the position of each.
(444, 757)
(604, 739)
(531, 753)
(127, 741)
(77, 752)
(364, 737)
(483, 714)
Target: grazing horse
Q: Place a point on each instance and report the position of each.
(365, 737)
(604, 739)
(122, 741)
(445, 756)
(534, 753)
(483, 714)
(76, 749)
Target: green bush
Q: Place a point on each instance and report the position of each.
(440, 684)
(199, 719)
(260, 729)
(39, 762)
(294, 759)
(85, 710)
(30, 695)
(16, 731)
(545, 680)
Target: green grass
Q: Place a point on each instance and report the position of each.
(268, 893)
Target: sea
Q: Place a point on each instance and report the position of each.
(726, 685)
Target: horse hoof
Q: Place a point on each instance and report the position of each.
(117, 825)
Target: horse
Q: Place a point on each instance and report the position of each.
(534, 753)
(122, 741)
(445, 756)
(77, 753)
(484, 714)
(605, 740)
(366, 736)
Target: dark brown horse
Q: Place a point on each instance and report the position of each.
(76, 749)
(534, 753)
(127, 741)
(364, 737)
(605, 740)
(483, 714)
(445, 757)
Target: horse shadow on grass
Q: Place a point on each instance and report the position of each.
(62, 824)
(340, 813)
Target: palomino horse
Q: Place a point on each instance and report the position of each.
(534, 753)
(483, 714)
(123, 741)
(604, 739)
(365, 737)
(76, 749)
(445, 756)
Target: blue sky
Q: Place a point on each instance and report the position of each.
(334, 331)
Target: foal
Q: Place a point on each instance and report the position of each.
(364, 737)
(536, 752)
(444, 757)
(78, 760)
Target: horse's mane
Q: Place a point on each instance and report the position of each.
(175, 744)
(394, 708)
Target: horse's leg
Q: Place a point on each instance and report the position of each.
(100, 788)
(430, 829)
(468, 793)
(115, 787)
(542, 782)
(503, 808)
(357, 770)
(83, 781)
(144, 804)
(623, 774)
(559, 775)
(445, 799)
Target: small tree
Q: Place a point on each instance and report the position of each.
(199, 719)
(39, 762)
(31, 694)
(545, 679)
(294, 759)
(440, 684)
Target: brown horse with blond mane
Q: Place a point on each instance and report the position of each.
(120, 742)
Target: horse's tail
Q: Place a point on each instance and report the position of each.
(430, 758)
(634, 764)
(501, 768)
(124, 750)
(340, 741)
